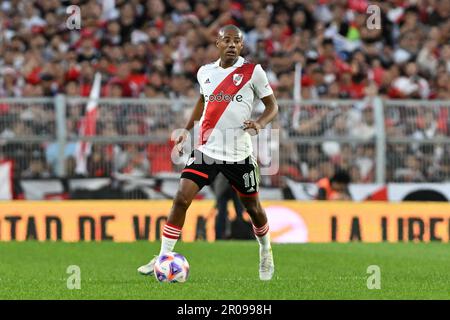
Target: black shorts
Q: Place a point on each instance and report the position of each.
(243, 175)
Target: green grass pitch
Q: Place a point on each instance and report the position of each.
(226, 270)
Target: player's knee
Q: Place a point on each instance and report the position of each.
(181, 201)
(253, 209)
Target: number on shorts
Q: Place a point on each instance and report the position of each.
(249, 179)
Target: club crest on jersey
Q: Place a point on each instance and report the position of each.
(237, 78)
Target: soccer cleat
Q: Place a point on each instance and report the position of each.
(148, 269)
(266, 265)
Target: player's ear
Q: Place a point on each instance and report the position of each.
(242, 43)
(217, 43)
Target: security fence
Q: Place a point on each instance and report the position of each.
(375, 140)
(417, 141)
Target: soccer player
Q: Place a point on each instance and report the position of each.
(228, 89)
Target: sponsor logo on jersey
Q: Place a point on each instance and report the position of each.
(223, 97)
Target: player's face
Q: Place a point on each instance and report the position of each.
(230, 45)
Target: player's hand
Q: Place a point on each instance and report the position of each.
(179, 143)
(252, 127)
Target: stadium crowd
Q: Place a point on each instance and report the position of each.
(153, 48)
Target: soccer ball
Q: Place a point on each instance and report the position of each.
(171, 267)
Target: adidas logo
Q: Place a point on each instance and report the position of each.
(207, 81)
(190, 161)
(251, 189)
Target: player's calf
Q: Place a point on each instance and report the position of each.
(261, 230)
(180, 204)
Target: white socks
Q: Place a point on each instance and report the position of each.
(263, 237)
(171, 233)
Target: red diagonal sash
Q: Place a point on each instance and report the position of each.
(215, 109)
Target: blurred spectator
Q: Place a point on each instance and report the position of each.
(154, 48)
(411, 171)
(334, 188)
(70, 167)
(133, 160)
(133, 40)
(37, 167)
(98, 163)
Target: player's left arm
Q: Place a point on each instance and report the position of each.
(264, 92)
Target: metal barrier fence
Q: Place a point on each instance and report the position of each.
(322, 135)
(376, 140)
(417, 141)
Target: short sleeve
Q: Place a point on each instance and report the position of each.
(198, 79)
(261, 84)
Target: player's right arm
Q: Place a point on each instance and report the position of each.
(195, 116)
(196, 113)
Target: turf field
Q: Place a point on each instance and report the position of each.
(226, 270)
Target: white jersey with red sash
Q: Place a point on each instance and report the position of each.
(229, 97)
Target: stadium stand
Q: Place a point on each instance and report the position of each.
(152, 49)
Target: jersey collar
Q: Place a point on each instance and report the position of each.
(238, 63)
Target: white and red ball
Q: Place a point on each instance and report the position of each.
(171, 267)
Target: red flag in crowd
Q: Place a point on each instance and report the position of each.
(87, 127)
